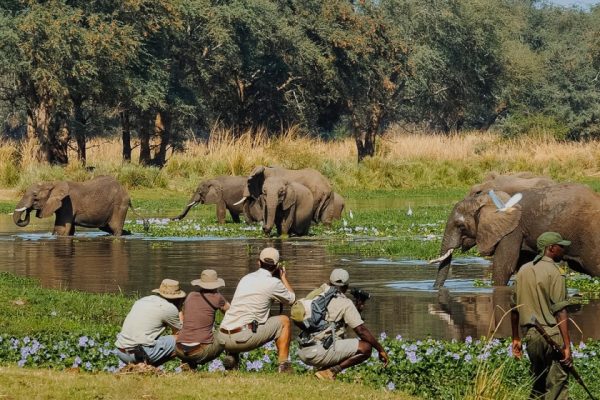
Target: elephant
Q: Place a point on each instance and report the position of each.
(573, 210)
(338, 206)
(288, 206)
(510, 184)
(312, 179)
(224, 191)
(98, 203)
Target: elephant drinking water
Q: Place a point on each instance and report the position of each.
(98, 203)
(573, 210)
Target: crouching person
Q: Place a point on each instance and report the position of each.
(195, 342)
(247, 325)
(326, 348)
(140, 338)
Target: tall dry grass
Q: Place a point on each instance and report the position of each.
(403, 160)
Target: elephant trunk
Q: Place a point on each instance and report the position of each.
(450, 241)
(270, 209)
(184, 212)
(17, 216)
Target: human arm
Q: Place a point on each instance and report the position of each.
(562, 317)
(225, 307)
(517, 347)
(282, 290)
(365, 334)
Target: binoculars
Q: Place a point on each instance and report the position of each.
(360, 294)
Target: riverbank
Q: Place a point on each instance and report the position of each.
(73, 332)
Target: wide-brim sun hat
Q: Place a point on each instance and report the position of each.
(169, 289)
(209, 280)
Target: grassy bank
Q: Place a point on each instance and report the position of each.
(74, 332)
(42, 384)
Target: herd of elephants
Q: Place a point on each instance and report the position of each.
(291, 200)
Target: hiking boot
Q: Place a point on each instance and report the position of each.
(285, 367)
(325, 375)
(231, 361)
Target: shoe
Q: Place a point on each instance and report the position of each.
(285, 367)
(325, 375)
(231, 361)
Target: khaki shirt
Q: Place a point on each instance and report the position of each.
(146, 321)
(253, 298)
(343, 312)
(540, 291)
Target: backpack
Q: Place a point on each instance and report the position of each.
(309, 312)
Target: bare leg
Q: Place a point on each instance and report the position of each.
(283, 341)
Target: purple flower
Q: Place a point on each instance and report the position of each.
(581, 345)
(456, 356)
(88, 365)
(382, 336)
(83, 341)
(254, 365)
(63, 356)
(468, 357)
(399, 338)
(21, 363)
(216, 365)
(468, 340)
(390, 386)
(412, 357)
(26, 339)
(484, 356)
(178, 370)
(25, 352)
(266, 358)
(76, 362)
(91, 343)
(269, 345)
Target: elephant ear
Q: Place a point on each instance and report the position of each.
(214, 193)
(494, 225)
(55, 198)
(290, 197)
(255, 182)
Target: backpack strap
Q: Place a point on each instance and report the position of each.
(209, 303)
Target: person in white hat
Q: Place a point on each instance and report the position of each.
(195, 341)
(247, 324)
(328, 350)
(140, 338)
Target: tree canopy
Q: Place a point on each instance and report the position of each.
(165, 70)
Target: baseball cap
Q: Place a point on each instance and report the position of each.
(339, 277)
(548, 238)
(269, 255)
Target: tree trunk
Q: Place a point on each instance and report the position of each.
(162, 129)
(145, 122)
(79, 131)
(52, 134)
(126, 135)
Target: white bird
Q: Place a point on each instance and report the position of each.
(410, 211)
(509, 205)
(344, 222)
(350, 214)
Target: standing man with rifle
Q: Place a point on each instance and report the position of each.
(541, 295)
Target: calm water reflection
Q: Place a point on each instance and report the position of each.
(403, 301)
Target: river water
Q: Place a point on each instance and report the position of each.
(403, 301)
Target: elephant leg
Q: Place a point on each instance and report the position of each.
(221, 209)
(117, 220)
(64, 230)
(506, 257)
(234, 216)
(107, 229)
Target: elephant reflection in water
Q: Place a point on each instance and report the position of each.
(474, 315)
(92, 265)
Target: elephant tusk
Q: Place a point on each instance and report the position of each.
(20, 209)
(241, 201)
(191, 204)
(442, 258)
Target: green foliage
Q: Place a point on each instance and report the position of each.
(133, 176)
(536, 126)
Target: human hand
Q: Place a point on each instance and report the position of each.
(567, 360)
(517, 349)
(384, 358)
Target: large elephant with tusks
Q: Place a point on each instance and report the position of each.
(573, 210)
(98, 203)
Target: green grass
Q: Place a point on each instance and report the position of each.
(18, 383)
(28, 309)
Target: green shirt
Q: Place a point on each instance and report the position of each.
(540, 292)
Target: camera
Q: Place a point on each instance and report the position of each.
(360, 294)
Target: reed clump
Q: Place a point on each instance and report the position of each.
(403, 160)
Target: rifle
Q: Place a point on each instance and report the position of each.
(559, 353)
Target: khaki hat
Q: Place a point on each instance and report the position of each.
(269, 255)
(209, 280)
(548, 238)
(339, 277)
(169, 289)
